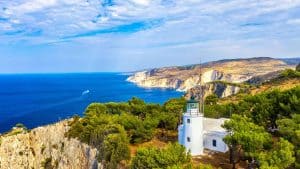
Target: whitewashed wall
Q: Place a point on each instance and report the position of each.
(220, 146)
(180, 136)
(193, 130)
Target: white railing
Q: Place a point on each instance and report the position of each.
(193, 111)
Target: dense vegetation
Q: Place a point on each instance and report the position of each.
(246, 100)
(289, 128)
(111, 127)
(257, 145)
(260, 122)
(173, 156)
(289, 73)
(264, 129)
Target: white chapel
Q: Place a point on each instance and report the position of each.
(197, 133)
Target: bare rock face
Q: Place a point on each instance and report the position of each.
(220, 89)
(144, 79)
(264, 78)
(46, 147)
(188, 77)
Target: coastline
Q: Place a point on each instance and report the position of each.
(42, 99)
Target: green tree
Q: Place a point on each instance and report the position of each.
(138, 130)
(218, 111)
(117, 108)
(289, 128)
(174, 109)
(172, 156)
(115, 150)
(112, 143)
(244, 136)
(280, 157)
(20, 125)
(290, 73)
(138, 107)
(267, 107)
(211, 99)
(95, 109)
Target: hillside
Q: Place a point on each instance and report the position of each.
(45, 147)
(185, 78)
(117, 133)
(131, 126)
(280, 83)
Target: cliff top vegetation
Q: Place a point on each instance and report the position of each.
(112, 127)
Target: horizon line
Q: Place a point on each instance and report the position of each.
(132, 71)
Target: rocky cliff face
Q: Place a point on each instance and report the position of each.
(220, 89)
(46, 147)
(188, 77)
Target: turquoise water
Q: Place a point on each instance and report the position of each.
(39, 99)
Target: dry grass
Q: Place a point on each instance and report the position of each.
(278, 85)
(240, 67)
(217, 160)
(152, 143)
(161, 139)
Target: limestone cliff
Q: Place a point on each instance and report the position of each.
(187, 77)
(218, 88)
(46, 147)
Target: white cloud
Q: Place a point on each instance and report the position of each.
(141, 2)
(32, 6)
(185, 22)
(294, 21)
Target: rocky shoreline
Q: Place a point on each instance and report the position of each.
(187, 78)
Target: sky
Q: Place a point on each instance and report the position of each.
(41, 36)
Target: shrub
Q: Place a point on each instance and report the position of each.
(172, 156)
(20, 125)
(289, 73)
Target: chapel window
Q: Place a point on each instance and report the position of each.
(214, 143)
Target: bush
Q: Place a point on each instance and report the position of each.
(138, 118)
(211, 99)
(172, 156)
(20, 125)
(103, 132)
(289, 73)
(113, 146)
(280, 157)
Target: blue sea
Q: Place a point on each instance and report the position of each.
(39, 99)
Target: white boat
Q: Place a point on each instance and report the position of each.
(85, 92)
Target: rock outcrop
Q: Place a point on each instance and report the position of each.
(186, 78)
(218, 88)
(264, 78)
(46, 147)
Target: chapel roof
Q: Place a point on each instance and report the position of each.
(214, 125)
